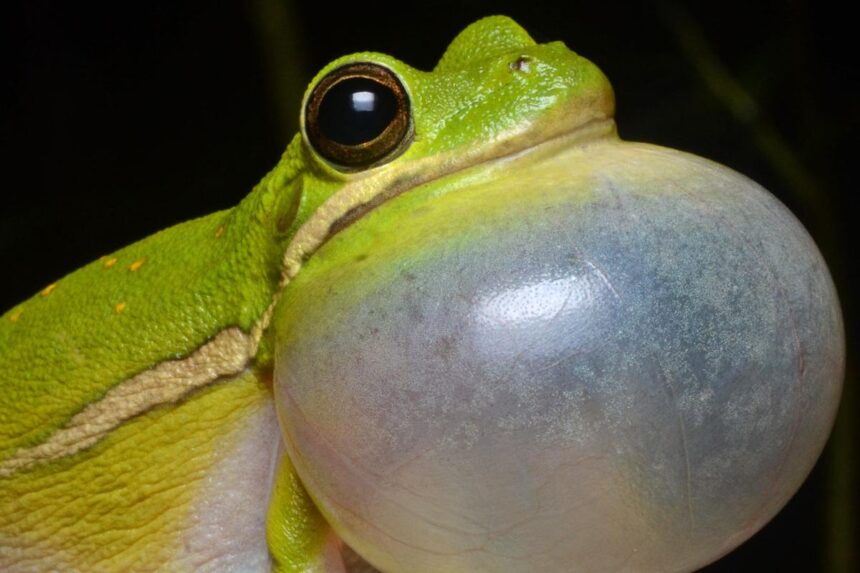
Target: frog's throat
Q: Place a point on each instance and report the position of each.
(364, 194)
(224, 356)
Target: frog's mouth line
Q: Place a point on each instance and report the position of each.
(363, 195)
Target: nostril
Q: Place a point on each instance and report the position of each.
(521, 64)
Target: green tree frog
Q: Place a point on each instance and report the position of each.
(190, 403)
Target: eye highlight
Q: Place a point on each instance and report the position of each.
(358, 116)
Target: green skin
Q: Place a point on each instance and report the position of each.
(183, 299)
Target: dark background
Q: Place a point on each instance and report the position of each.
(119, 120)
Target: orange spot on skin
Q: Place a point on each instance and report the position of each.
(219, 232)
(16, 315)
(109, 262)
(136, 264)
(48, 289)
(119, 308)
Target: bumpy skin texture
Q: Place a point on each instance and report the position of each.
(129, 386)
(156, 301)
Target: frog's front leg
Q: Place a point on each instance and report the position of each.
(299, 539)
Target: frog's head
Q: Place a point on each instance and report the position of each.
(374, 127)
(494, 92)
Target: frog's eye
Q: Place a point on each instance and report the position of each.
(358, 115)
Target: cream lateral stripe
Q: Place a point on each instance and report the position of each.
(227, 354)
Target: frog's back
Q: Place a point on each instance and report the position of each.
(111, 320)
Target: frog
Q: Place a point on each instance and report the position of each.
(138, 427)
(460, 326)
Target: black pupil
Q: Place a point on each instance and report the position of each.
(356, 110)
